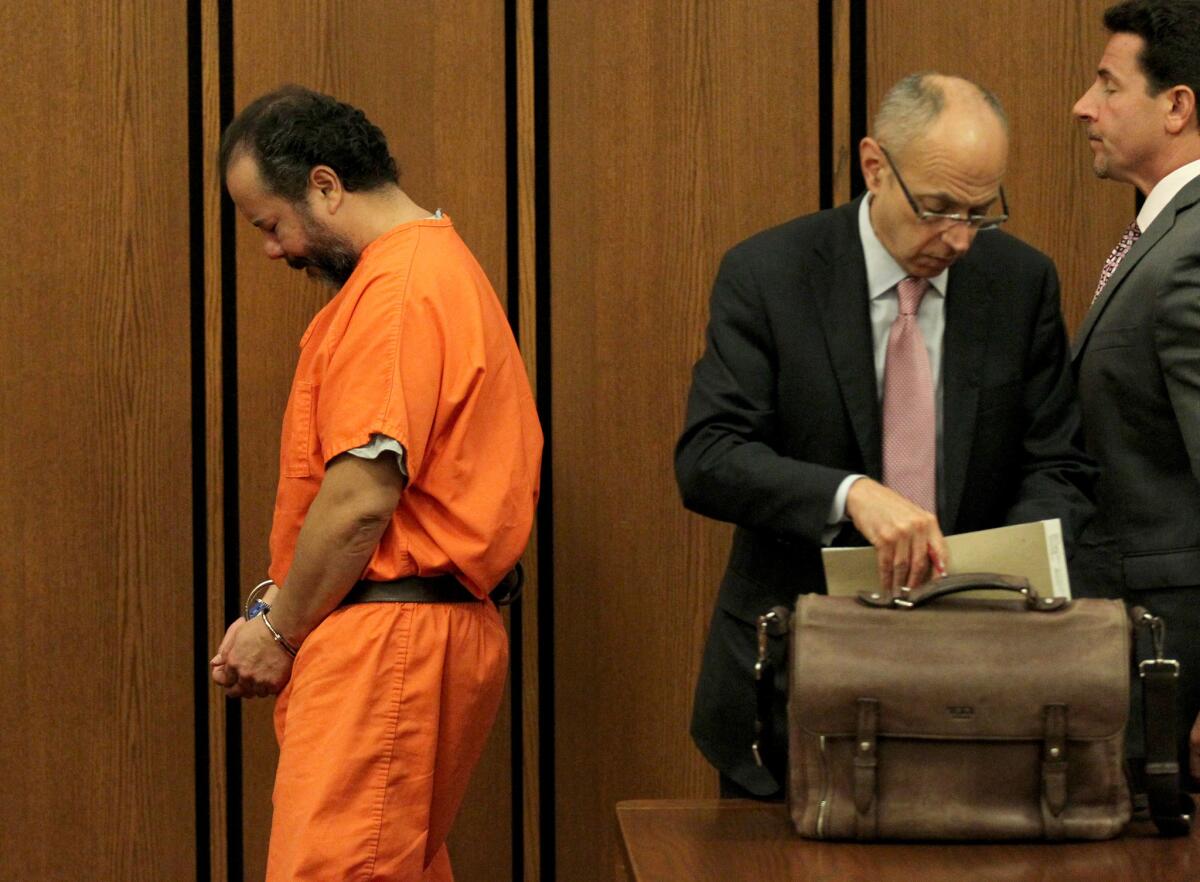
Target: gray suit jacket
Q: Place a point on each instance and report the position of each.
(1137, 359)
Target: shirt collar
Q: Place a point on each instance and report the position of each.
(883, 273)
(1164, 191)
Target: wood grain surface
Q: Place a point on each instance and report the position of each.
(97, 709)
(726, 840)
(214, 439)
(527, 317)
(1038, 57)
(677, 128)
(431, 75)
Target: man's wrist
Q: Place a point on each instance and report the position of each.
(284, 644)
(837, 509)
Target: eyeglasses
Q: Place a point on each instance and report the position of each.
(977, 221)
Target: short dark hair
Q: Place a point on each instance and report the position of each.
(292, 129)
(1171, 31)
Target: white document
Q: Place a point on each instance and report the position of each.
(1034, 550)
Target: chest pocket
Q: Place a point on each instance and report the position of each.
(299, 442)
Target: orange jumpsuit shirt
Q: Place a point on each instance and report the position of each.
(416, 346)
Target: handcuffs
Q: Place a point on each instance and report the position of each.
(255, 606)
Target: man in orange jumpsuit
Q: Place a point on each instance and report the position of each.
(408, 480)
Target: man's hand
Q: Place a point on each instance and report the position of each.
(249, 663)
(907, 539)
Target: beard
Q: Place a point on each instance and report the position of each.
(331, 259)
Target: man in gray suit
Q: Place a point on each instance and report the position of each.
(1137, 353)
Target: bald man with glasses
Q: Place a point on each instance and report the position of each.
(884, 373)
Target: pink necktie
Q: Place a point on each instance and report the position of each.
(909, 428)
(1131, 234)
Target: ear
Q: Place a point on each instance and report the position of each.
(872, 161)
(1182, 110)
(325, 189)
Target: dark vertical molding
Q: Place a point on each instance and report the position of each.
(196, 286)
(517, 741)
(512, 207)
(825, 74)
(858, 88)
(229, 440)
(512, 171)
(545, 562)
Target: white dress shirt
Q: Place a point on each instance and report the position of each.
(1164, 191)
(883, 275)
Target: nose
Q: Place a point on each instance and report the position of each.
(272, 247)
(1083, 108)
(959, 237)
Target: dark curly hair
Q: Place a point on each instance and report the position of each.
(292, 129)
(1171, 30)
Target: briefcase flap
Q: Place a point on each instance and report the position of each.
(961, 668)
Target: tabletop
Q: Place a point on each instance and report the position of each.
(729, 840)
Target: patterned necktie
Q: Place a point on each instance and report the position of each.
(1131, 234)
(909, 428)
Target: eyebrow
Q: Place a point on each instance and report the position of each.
(946, 197)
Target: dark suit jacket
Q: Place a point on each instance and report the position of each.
(1137, 355)
(784, 405)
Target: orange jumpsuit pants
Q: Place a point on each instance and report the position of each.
(385, 716)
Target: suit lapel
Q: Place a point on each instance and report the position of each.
(840, 283)
(963, 344)
(1158, 228)
(1139, 249)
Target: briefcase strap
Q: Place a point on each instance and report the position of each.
(1170, 808)
(773, 623)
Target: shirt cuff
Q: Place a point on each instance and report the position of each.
(837, 509)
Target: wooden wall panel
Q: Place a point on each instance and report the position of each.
(431, 75)
(214, 437)
(1038, 56)
(96, 743)
(531, 643)
(677, 128)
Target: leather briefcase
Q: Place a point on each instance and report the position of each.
(922, 716)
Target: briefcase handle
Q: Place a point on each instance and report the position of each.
(909, 598)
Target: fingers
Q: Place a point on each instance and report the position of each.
(222, 675)
(903, 561)
(919, 556)
(939, 555)
(910, 548)
(230, 633)
(885, 556)
(902, 564)
(249, 664)
(251, 689)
